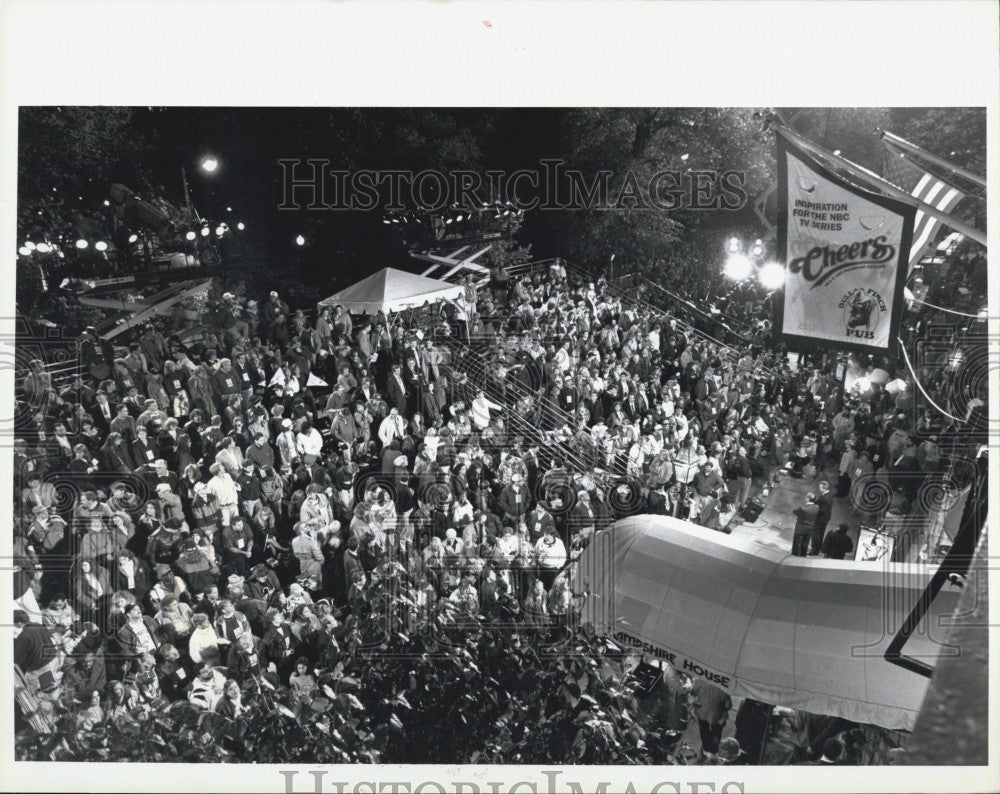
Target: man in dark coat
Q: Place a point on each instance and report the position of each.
(825, 504)
(805, 520)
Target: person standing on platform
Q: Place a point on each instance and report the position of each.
(837, 544)
(805, 520)
(825, 504)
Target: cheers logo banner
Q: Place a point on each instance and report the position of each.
(845, 253)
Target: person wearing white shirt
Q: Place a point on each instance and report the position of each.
(224, 488)
(508, 543)
(393, 426)
(309, 443)
(551, 553)
(481, 410)
(462, 512)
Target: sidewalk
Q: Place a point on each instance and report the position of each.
(776, 525)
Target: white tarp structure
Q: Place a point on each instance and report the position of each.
(805, 633)
(392, 290)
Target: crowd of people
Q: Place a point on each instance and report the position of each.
(194, 518)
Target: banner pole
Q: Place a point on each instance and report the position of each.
(902, 143)
(886, 187)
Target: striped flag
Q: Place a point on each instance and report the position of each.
(923, 185)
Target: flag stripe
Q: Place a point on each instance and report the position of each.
(925, 227)
(924, 186)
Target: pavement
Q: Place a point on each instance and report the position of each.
(775, 526)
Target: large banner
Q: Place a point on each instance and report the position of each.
(845, 252)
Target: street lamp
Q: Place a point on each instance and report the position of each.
(81, 244)
(300, 240)
(43, 248)
(24, 251)
(190, 236)
(772, 275)
(100, 245)
(208, 164)
(738, 266)
(241, 226)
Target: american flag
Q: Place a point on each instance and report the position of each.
(923, 185)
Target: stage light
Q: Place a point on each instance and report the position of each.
(81, 244)
(43, 248)
(133, 238)
(209, 164)
(386, 220)
(241, 226)
(204, 231)
(738, 267)
(100, 245)
(772, 275)
(300, 240)
(24, 251)
(190, 236)
(459, 218)
(734, 245)
(219, 231)
(229, 209)
(29, 245)
(836, 152)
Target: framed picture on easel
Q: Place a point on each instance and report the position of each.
(873, 546)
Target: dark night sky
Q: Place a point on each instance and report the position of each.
(248, 142)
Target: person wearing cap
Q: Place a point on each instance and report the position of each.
(707, 484)
(274, 319)
(167, 583)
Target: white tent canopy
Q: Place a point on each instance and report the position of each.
(392, 290)
(805, 633)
